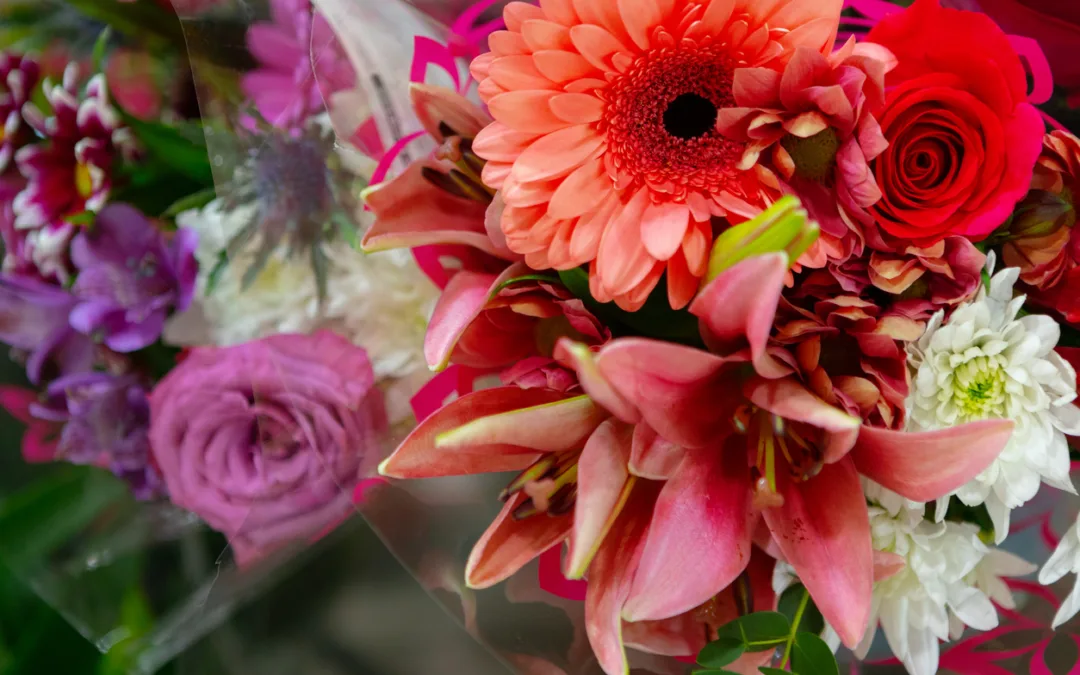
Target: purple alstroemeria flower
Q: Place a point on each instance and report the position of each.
(35, 317)
(130, 277)
(106, 422)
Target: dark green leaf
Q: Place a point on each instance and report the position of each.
(811, 621)
(773, 671)
(712, 672)
(720, 653)
(196, 200)
(82, 218)
(548, 278)
(811, 656)
(173, 148)
(757, 632)
(97, 57)
(347, 229)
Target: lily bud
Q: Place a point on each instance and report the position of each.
(783, 227)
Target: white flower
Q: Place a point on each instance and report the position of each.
(921, 604)
(379, 301)
(1065, 560)
(986, 363)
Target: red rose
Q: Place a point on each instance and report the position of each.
(963, 139)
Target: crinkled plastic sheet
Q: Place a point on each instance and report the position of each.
(534, 622)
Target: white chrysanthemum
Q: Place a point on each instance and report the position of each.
(921, 604)
(1065, 560)
(379, 301)
(988, 362)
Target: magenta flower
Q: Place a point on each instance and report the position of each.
(130, 277)
(267, 441)
(301, 64)
(71, 171)
(34, 317)
(18, 77)
(106, 422)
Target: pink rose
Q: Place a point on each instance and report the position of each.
(267, 441)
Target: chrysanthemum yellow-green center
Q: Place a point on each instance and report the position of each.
(979, 388)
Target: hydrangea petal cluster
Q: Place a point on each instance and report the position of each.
(106, 422)
(605, 145)
(131, 276)
(71, 171)
(18, 76)
(300, 64)
(986, 362)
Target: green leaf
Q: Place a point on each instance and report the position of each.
(712, 671)
(811, 620)
(100, 46)
(721, 653)
(757, 632)
(548, 278)
(773, 671)
(172, 148)
(347, 230)
(82, 218)
(811, 656)
(193, 201)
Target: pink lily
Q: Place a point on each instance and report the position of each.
(736, 446)
(511, 320)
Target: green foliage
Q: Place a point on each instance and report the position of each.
(789, 636)
(196, 200)
(656, 319)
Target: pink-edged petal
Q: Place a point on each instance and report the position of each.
(418, 457)
(582, 360)
(887, 565)
(680, 391)
(790, 400)
(549, 427)
(738, 307)
(603, 487)
(509, 544)
(437, 106)
(410, 211)
(823, 530)
(459, 305)
(652, 456)
(927, 465)
(699, 539)
(610, 577)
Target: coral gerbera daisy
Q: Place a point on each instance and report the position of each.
(605, 144)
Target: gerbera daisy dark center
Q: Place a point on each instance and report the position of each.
(660, 121)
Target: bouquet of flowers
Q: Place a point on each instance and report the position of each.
(782, 304)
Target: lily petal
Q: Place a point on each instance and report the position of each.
(603, 487)
(653, 457)
(699, 539)
(581, 358)
(509, 544)
(418, 456)
(680, 391)
(823, 530)
(926, 465)
(549, 427)
(792, 401)
(438, 106)
(460, 303)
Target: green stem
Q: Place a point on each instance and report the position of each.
(795, 628)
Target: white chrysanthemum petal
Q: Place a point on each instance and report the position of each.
(1070, 607)
(1065, 559)
(985, 363)
(971, 606)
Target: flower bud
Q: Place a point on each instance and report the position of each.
(784, 226)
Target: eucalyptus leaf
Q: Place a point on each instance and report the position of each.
(757, 632)
(810, 655)
(720, 653)
(811, 620)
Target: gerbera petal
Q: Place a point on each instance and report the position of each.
(562, 66)
(641, 16)
(596, 45)
(699, 538)
(663, 227)
(926, 465)
(560, 10)
(518, 71)
(526, 110)
(581, 191)
(823, 530)
(603, 487)
(557, 154)
(510, 544)
(540, 35)
(418, 456)
(577, 108)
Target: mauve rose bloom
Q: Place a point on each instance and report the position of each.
(266, 441)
